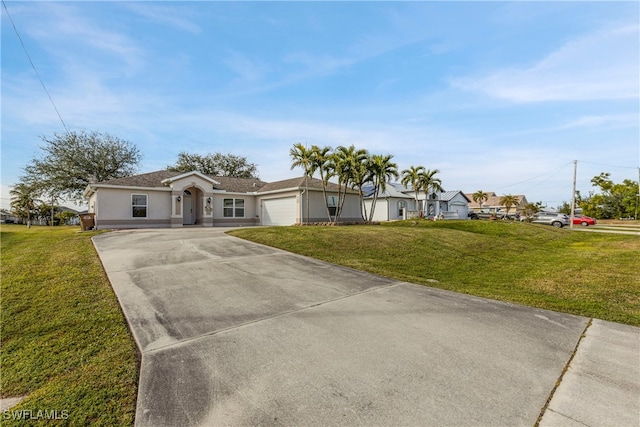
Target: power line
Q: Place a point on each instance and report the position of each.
(33, 66)
(608, 166)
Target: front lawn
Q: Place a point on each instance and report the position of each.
(588, 274)
(65, 343)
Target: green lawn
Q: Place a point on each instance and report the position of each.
(589, 274)
(65, 343)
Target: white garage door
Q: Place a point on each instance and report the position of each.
(279, 211)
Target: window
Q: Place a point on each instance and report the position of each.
(332, 203)
(139, 205)
(402, 205)
(233, 208)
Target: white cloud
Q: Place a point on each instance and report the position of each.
(603, 65)
(172, 16)
(603, 121)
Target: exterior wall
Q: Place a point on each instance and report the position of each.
(318, 208)
(250, 217)
(113, 208)
(382, 209)
(387, 208)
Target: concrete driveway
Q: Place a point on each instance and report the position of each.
(236, 333)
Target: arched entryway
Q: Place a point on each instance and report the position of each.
(188, 209)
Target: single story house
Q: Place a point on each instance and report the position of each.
(399, 202)
(493, 203)
(176, 199)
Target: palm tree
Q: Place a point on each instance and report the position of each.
(413, 176)
(381, 169)
(428, 182)
(508, 201)
(320, 162)
(360, 178)
(480, 197)
(345, 164)
(23, 200)
(302, 157)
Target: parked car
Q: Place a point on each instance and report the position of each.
(551, 218)
(492, 213)
(584, 220)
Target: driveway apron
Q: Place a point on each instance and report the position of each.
(236, 333)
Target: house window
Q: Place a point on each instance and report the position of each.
(233, 208)
(402, 205)
(332, 203)
(139, 205)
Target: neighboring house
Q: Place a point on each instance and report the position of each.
(8, 217)
(448, 205)
(398, 202)
(175, 199)
(392, 204)
(493, 203)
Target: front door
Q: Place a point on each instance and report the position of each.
(187, 214)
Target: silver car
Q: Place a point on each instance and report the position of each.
(551, 218)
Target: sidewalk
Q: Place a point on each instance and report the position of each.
(601, 386)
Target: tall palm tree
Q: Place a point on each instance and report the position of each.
(412, 176)
(428, 184)
(360, 178)
(381, 169)
(345, 164)
(507, 201)
(302, 157)
(23, 200)
(480, 197)
(320, 157)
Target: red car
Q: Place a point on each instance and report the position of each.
(583, 220)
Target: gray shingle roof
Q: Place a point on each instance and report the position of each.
(297, 183)
(230, 184)
(154, 179)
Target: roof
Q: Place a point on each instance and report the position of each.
(155, 179)
(224, 183)
(446, 196)
(493, 200)
(297, 183)
(393, 189)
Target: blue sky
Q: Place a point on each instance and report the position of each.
(498, 96)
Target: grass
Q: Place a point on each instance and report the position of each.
(65, 343)
(588, 274)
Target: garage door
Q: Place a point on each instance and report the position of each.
(279, 211)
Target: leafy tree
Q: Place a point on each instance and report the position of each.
(613, 201)
(216, 164)
(413, 176)
(508, 201)
(302, 157)
(66, 216)
(72, 160)
(24, 201)
(531, 209)
(480, 197)
(380, 170)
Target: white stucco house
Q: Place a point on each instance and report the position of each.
(175, 199)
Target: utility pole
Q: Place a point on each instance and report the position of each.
(573, 194)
